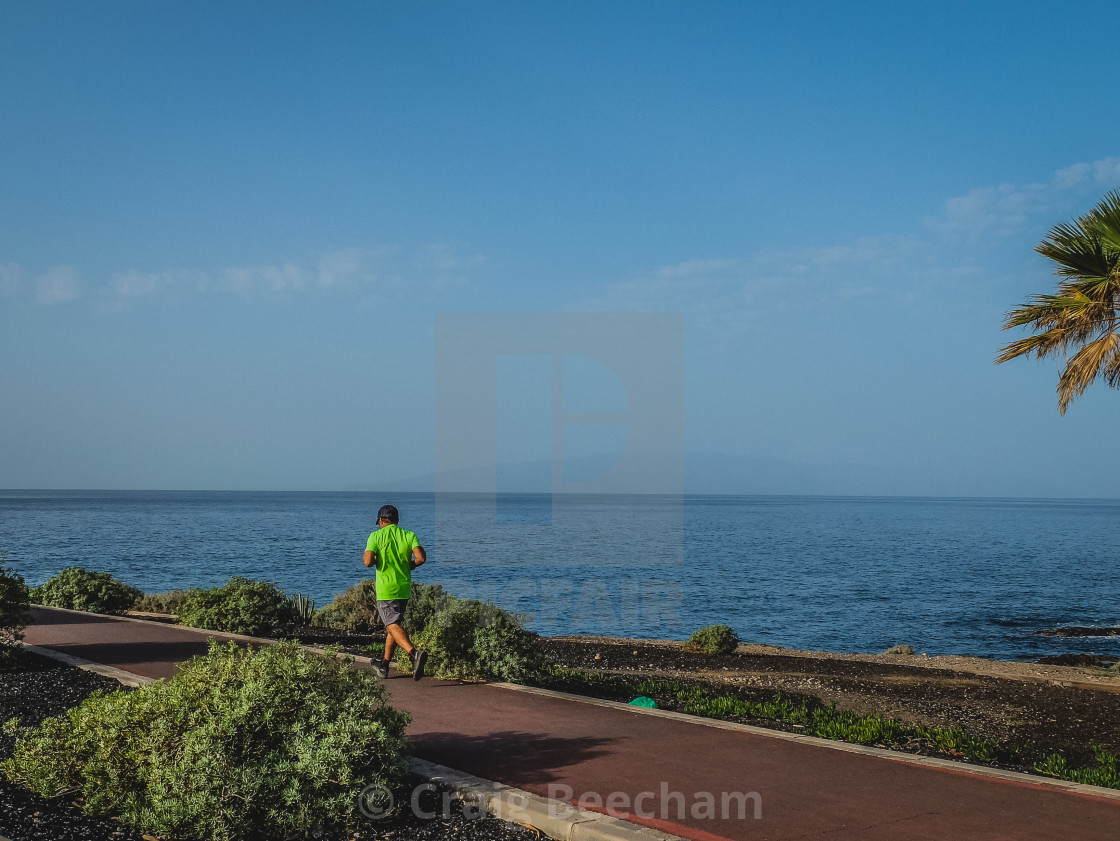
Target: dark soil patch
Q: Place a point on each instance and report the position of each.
(1028, 720)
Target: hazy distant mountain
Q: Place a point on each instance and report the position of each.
(704, 473)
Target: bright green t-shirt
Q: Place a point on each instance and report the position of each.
(393, 547)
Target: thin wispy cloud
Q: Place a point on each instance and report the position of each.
(1007, 209)
(58, 285)
(731, 289)
(727, 290)
(387, 272)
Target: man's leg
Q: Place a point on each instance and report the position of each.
(391, 612)
(395, 635)
(418, 657)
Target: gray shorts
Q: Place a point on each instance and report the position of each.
(391, 611)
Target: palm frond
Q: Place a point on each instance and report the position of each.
(1078, 253)
(1104, 221)
(1085, 312)
(1040, 345)
(1085, 366)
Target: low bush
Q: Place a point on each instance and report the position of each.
(354, 609)
(240, 606)
(468, 640)
(14, 613)
(714, 639)
(241, 743)
(169, 602)
(900, 649)
(78, 588)
(425, 602)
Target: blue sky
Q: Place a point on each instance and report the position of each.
(226, 229)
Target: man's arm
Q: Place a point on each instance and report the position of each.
(418, 556)
(369, 558)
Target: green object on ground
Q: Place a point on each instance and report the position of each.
(643, 701)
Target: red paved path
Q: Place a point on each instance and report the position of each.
(534, 742)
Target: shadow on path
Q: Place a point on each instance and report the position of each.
(529, 758)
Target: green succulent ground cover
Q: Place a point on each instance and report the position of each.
(828, 722)
(269, 743)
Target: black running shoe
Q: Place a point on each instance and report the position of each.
(382, 669)
(419, 658)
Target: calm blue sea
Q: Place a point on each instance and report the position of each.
(948, 576)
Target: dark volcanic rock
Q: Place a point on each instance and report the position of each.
(1080, 631)
(1094, 660)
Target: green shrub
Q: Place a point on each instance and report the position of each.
(271, 743)
(240, 606)
(78, 588)
(425, 602)
(170, 602)
(467, 640)
(505, 649)
(714, 639)
(354, 609)
(14, 613)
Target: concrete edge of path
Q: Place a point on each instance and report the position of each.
(557, 819)
(968, 769)
(120, 675)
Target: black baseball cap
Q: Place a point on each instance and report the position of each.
(388, 512)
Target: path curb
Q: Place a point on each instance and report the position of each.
(120, 675)
(555, 818)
